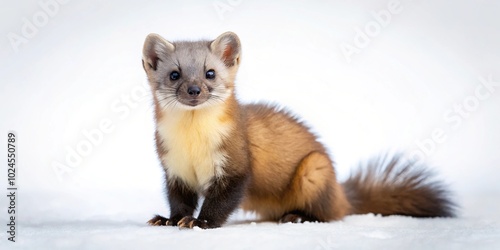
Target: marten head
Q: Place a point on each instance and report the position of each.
(191, 75)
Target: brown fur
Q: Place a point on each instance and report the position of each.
(258, 156)
(391, 186)
(298, 176)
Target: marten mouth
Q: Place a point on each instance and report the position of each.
(191, 102)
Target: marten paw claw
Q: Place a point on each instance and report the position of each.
(191, 222)
(296, 218)
(293, 218)
(159, 221)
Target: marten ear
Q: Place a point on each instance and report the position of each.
(154, 46)
(228, 48)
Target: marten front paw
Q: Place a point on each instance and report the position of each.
(159, 220)
(190, 222)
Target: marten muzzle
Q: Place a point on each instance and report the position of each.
(192, 94)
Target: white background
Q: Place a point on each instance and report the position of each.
(83, 66)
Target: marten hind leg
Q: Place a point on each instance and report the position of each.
(314, 193)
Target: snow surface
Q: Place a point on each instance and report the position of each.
(354, 232)
(83, 67)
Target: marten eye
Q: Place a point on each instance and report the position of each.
(175, 75)
(210, 74)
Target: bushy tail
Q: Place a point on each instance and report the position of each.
(392, 186)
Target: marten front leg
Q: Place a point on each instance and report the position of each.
(182, 200)
(222, 198)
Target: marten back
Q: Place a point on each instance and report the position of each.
(278, 142)
(290, 168)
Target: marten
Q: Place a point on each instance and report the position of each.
(259, 157)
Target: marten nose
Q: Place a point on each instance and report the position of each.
(194, 90)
